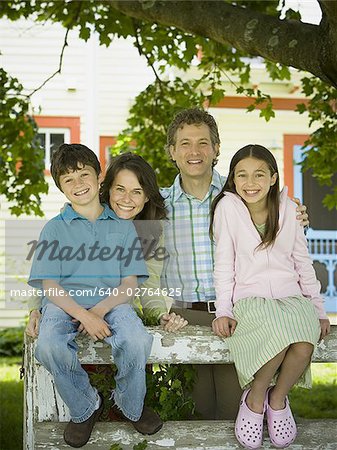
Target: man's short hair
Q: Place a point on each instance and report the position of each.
(193, 116)
(72, 157)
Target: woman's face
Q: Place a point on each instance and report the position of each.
(127, 197)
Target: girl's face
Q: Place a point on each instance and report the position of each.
(252, 179)
(127, 197)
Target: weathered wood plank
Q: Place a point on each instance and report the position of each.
(192, 345)
(217, 435)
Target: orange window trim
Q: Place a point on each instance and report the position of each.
(289, 141)
(282, 104)
(104, 142)
(73, 123)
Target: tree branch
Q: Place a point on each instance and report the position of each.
(329, 8)
(288, 42)
(65, 43)
(328, 30)
(140, 52)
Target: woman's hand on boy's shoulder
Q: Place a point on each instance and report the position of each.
(224, 326)
(325, 327)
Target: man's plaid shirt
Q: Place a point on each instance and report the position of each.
(188, 273)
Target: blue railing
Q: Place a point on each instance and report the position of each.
(322, 246)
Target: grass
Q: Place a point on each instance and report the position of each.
(319, 403)
(11, 401)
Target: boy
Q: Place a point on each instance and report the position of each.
(87, 282)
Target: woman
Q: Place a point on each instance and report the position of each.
(131, 190)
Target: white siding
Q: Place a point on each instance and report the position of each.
(122, 76)
(98, 84)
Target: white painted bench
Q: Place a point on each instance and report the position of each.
(45, 411)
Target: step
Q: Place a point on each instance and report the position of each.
(196, 435)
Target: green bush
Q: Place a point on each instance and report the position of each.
(169, 389)
(11, 341)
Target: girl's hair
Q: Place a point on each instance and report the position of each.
(154, 209)
(273, 198)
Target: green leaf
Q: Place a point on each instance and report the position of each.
(85, 33)
(116, 447)
(22, 181)
(293, 15)
(267, 112)
(141, 445)
(301, 108)
(277, 71)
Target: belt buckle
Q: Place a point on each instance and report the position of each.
(211, 307)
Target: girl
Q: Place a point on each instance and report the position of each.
(267, 296)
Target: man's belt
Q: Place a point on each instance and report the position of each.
(203, 306)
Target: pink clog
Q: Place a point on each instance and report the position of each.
(281, 426)
(248, 425)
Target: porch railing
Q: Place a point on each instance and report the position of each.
(322, 246)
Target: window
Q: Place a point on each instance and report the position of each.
(311, 194)
(50, 139)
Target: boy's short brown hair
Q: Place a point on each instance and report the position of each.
(72, 157)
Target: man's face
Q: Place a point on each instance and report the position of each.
(193, 152)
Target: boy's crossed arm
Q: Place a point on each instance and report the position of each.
(127, 286)
(92, 320)
(95, 325)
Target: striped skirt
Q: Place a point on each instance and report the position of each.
(265, 328)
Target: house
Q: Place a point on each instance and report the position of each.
(89, 102)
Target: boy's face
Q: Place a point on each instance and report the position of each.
(81, 187)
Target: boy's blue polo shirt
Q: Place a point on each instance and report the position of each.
(87, 259)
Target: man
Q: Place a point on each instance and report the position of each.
(193, 144)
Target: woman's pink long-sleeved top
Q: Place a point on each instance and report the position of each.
(240, 270)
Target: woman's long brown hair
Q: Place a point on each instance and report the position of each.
(148, 221)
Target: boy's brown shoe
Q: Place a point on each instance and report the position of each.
(149, 422)
(78, 434)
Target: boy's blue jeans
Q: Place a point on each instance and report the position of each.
(130, 343)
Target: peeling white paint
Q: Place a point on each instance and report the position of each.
(196, 435)
(321, 345)
(165, 442)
